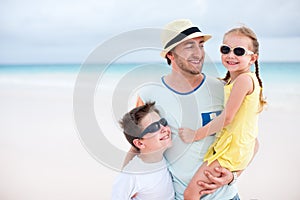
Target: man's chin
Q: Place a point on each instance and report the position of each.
(195, 72)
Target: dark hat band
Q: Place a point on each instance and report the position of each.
(182, 35)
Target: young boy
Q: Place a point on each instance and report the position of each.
(146, 176)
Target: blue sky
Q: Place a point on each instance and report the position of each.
(64, 31)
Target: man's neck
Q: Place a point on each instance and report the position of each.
(183, 82)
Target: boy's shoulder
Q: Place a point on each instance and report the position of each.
(138, 166)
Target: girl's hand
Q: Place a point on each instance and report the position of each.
(187, 135)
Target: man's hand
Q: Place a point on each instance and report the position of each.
(187, 135)
(225, 178)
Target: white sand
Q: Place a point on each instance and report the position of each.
(41, 156)
(273, 173)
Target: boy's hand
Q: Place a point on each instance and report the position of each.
(187, 135)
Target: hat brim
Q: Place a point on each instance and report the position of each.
(206, 37)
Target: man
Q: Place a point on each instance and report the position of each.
(188, 98)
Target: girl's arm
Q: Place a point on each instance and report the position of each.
(242, 86)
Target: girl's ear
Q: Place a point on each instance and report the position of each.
(254, 58)
(139, 143)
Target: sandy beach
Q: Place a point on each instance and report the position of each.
(42, 156)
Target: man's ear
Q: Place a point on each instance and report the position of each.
(170, 55)
(138, 143)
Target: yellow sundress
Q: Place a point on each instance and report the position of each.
(234, 144)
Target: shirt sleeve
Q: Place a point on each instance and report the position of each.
(124, 187)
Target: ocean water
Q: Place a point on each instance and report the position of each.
(285, 72)
(281, 81)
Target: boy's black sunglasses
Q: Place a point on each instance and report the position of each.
(155, 126)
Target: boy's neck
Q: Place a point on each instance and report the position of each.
(152, 157)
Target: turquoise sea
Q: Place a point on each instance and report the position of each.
(281, 80)
(285, 72)
(274, 67)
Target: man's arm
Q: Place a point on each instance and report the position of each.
(225, 178)
(133, 151)
(129, 156)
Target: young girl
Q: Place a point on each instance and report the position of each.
(237, 124)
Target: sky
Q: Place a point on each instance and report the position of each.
(67, 31)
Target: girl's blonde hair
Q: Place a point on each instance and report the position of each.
(243, 30)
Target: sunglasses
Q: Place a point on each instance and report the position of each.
(238, 51)
(155, 126)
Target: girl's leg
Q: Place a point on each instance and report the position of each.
(193, 189)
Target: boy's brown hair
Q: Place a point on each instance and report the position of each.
(130, 123)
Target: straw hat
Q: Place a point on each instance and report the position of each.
(178, 31)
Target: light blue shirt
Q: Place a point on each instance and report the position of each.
(193, 110)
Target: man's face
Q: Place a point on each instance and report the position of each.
(189, 55)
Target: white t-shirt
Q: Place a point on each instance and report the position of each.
(150, 181)
(193, 110)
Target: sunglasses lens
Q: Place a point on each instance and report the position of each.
(163, 122)
(239, 51)
(152, 128)
(225, 49)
